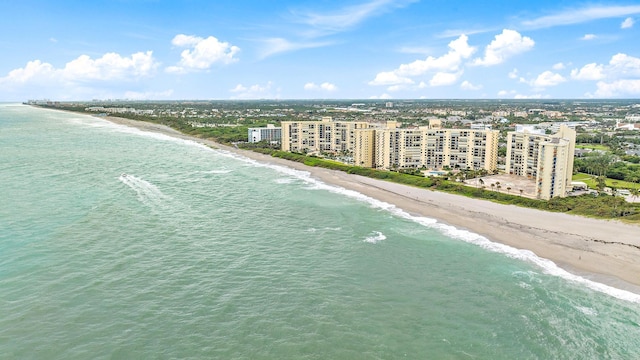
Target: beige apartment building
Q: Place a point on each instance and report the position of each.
(325, 135)
(546, 158)
(433, 148)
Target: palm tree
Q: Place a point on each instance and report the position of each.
(521, 191)
(508, 189)
(635, 193)
(481, 182)
(493, 186)
(600, 182)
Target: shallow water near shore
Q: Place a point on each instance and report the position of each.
(116, 243)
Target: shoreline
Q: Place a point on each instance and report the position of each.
(603, 251)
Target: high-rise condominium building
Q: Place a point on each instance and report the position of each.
(434, 148)
(325, 135)
(546, 158)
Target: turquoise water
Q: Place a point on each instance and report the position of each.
(119, 244)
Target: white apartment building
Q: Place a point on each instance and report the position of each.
(271, 133)
(546, 158)
(435, 148)
(325, 135)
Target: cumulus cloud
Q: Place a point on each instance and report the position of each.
(384, 96)
(513, 74)
(505, 45)
(558, 66)
(466, 85)
(627, 23)
(623, 87)
(620, 77)
(202, 53)
(547, 79)
(587, 37)
(84, 69)
(591, 71)
(621, 66)
(443, 66)
(256, 91)
(445, 78)
(326, 86)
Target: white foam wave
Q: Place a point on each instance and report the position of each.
(587, 310)
(148, 193)
(375, 237)
(217, 172)
(324, 229)
(284, 181)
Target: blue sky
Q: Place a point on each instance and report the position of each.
(353, 49)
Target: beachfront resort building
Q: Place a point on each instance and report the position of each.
(434, 148)
(320, 136)
(271, 133)
(546, 158)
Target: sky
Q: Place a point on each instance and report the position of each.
(351, 49)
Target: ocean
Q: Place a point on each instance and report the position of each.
(122, 244)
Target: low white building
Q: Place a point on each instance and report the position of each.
(270, 133)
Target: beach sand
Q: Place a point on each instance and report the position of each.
(604, 251)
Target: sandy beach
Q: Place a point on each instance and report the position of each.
(604, 251)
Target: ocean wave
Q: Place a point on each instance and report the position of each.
(375, 237)
(147, 193)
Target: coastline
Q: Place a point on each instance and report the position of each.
(604, 251)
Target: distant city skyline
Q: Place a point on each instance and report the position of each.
(362, 49)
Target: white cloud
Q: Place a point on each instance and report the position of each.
(624, 87)
(384, 96)
(326, 86)
(84, 69)
(202, 53)
(576, 16)
(558, 66)
(394, 88)
(348, 16)
(274, 46)
(110, 66)
(513, 74)
(591, 71)
(256, 91)
(459, 50)
(547, 79)
(587, 37)
(506, 44)
(466, 85)
(620, 77)
(620, 66)
(390, 78)
(627, 23)
(444, 78)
